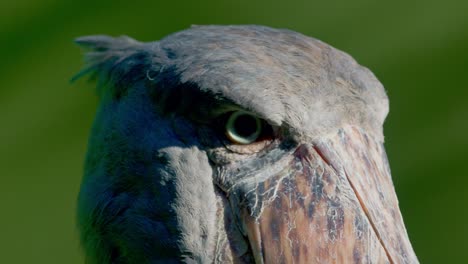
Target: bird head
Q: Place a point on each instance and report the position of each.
(236, 144)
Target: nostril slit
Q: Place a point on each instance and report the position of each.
(322, 155)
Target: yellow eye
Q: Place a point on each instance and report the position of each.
(243, 128)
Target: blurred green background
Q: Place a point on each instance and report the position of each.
(418, 49)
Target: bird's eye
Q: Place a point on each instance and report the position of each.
(243, 128)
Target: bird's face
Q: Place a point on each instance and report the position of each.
(237, 145)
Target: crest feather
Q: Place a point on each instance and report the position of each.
(113, 61)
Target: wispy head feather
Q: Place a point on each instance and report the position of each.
(112, 61)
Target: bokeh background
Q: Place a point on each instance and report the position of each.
(418, 49)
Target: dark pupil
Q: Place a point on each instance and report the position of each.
(245, 125)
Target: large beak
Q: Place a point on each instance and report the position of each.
(333, 202)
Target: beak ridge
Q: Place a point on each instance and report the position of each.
(333, 203)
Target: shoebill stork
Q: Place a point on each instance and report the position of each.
(236, 144)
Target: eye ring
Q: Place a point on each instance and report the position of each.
(243, 128)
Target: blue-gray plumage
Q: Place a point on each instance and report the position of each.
(236, 144)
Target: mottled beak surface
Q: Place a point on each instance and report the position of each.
(332, 202)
